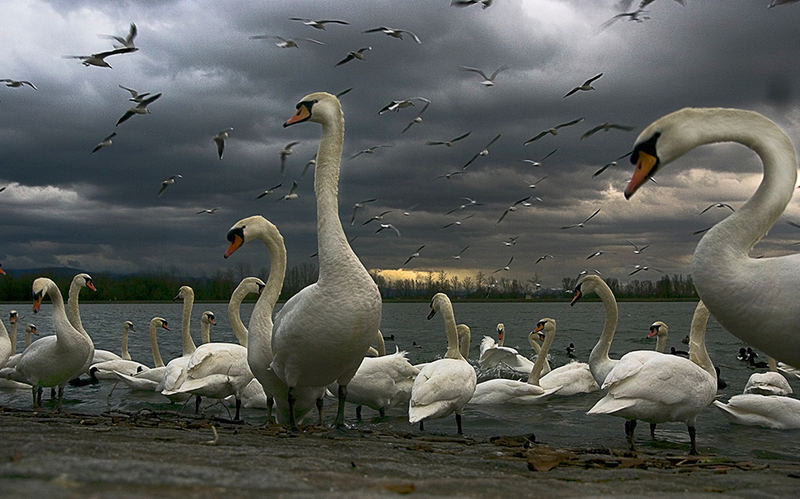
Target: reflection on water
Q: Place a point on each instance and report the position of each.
(559, 421)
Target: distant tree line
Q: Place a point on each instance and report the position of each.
(163, 286)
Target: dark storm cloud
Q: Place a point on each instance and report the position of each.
(100, 211)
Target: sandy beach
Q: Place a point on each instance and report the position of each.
(163, 454)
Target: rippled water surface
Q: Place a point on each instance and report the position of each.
(560, 421)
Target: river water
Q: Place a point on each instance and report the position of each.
(560, 421)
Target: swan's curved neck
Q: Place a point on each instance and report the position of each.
(4, 333)
(205, 332)
(73, 313)
(772, 363)
(261, 316)
(661, 343)
(12, 336)
(186, 334)
(464, 338)
(697, 340)
(125, 354)
(65, 331)
(450, 329)
(234, 315)
(536, 371)
(600, 351)
(538, 349)
(381, 344)
(741, 230)
(28, 337)
(333, 248)
(157, 360)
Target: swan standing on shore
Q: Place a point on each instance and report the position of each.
(53, 360)
(444, 386)
(657, 387)
(753, 298)
(511, 391)
(322, 333)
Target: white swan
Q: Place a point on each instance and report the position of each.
(570, 379)
(148, 379)
(511, 391)
(753, 298)
(599, 362)
(322, 333)
(30, 330)
(53, 360)
(657, 387)
(78, 282)
(176, 369)
(444, 386)
(771, 411)
(218, 370)
(106, 369)
(788, 371)
(660, 330)
(768, 383)
(464, 340)
(259, 341)
(494, 355)
(5, 344)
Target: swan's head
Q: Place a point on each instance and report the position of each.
(545, 327)
(658, 328)
(246, 229)
(318, 107)
(438, 301)
(185, 292)
(501, 330)
(586, 284)
(40, 287)
(84, 280)
(31, 329)
(159, 322)
(208, 318)
(2, 272)
(12, 317)
(129, 326)
(252, 285)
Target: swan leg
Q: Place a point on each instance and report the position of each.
(270, 403)
(630, 425)
(339, 423)
(693, 440)
(238, 406)
(653, 431)
(52, 392)
(421, 426)
(60, 397)
(197, 400)
(382, 412)
(291, 399)
(458, 424)
(358, 413)
(319, 411)
(37, 395)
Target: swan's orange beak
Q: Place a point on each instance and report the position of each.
(12, 319)
(90, 285)
(653, 332)
(303, 113)
(645, 163)
(236, 243)
(577, 296)
(37, 303)
(2, 272)
(35, 331)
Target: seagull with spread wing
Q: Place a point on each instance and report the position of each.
(358, 205)
(513, 207)
(458, 255)
(140, 108)
(413, 255)
(168, 182)
(581, 224)
(220, 140)
(317, 23)
(104, 143)
(135, 96)
(552, 131)
(17, 83)
(539, 163)
(448, 143)
(354, 54)
(99, 59)
(285, 152)
(604, 168)
(717, 205)
(506, 267)
(286, 43)
(268, 191)
(369, 150)
(605, 127)
(585, 86)
(393, 32)
(488, 81)
(483, 152)
(126, 41)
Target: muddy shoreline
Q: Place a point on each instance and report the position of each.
(163, 454)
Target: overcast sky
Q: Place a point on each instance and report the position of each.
(63, 206)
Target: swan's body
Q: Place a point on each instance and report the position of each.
(177, 369)
(8, 348)
(78, 282)
(600, 364)
(753, 298)
(788, 371)
(53, 360)
(768, 383)
(147, 379)
(218, 370)
(571, 379)
(508, 391)
(5, 345)
(444, 386)
(30, 330)
(657, 387)
(259, 340)
(322, 333)
(464, 339)
(771, 411)
(382, 381)
(123, 363)
(494, 355)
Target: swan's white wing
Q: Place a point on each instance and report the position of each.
(486, 343)
(777, 412)
(105, 370)
(442, 387)
(768, 383)
(573, 378)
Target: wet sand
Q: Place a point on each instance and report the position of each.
(163, 454)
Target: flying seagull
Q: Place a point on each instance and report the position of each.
(488, 81)
(103, 143)
(17, 83)
(448, 143)
(635, 16)
(483, 152)
(311, 162)
(418, 118)
(286, 151)
(387, 227)
(369, 150)
(604, 168)
(285, 43)
(220, 140)
(210, 211)
(168, 182)
(470, 202)
(511, 241)
(317, 23)
(98, 59)
(449, 175)
(393, 32)
(596, 253)
(344, 92)
(534, 184)
(140, 108)
(639, 268)
(292, 193)
(539, 163)
(135, 96)
(413, 255)
(552, 131)
(580, 224)
(377, 217)
(637, 249)
(268, 191)
(507, 266)
(585, 86)
(717, 205)
(543, 257)
(357, 206)
(124, 42)
(457, 222)
(513, 207)
(485, 4)
(354, 54)
(605, 127)
(458, 255)
(396, 105)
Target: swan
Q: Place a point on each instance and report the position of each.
(105, 369)
(30, 330)
(175, 372)
(464, 339)
(322, 332)
(660, 330)
(768, 383)
(570, 379)
(753, 298)
(657, 387)
(218, 370)
(788, 370)
(771, 411)
(5, 344)
(259, 341)
(80, 281)
(599, 362)
(8, 351)
(511, 391)
(444, 386)
(53, 360)
(495, 355)
(148, 379)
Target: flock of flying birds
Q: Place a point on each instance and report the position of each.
(141, 100)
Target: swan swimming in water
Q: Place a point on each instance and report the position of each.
(494, 355)
(753, 298)
(322, 333)
(148, 379)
